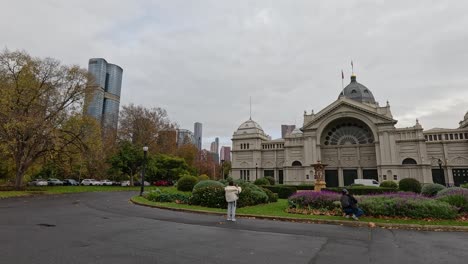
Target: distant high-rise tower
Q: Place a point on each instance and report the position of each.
(225, 153)
(104, 103)
(198, 135)
(215, 146)
(286, 130)
(185, 136)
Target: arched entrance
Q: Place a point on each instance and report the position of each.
(348, 146)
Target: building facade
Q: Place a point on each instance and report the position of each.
(197, 129)
(357, 139)
(103, 104)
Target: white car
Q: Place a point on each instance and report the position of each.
(88, 182)
(367, 182)
(125, 183)
(38, 182)
(106, 182)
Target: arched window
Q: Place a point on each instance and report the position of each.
(296, 163)
(409, 161)
(353, 91)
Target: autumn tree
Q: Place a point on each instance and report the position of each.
(37, 96)
(143, 126)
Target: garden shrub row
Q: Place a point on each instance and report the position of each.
(362, 190)
(314, 200)
(159, 196)
(283, 191)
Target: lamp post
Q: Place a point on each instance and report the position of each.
(256, 168)
(222, 169)
(439, 161)
(145, 151)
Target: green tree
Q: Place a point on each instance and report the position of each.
(37, 96)
(166, 167)
(128, 159)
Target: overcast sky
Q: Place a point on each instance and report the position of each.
(202, 60)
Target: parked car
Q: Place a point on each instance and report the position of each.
(367, 182)
(106, 182)
(38, 182)
(88, 182)
(70, 182)
(54, 182)
(125, 183)
(138, 183)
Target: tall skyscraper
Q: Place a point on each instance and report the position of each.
(215, 146)
(198, 135)
(286, 130)
(103, 104)
(225, 153)
(185, 136)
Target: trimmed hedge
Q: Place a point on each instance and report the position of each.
(206, 183)
(403, 207)
(283, 191)
(210, 196)
(186, 183)
(159, 196)
(262, 181)
(271, 180)
(272, 197)
(203, 177)
(362, 190)
(389, 184)
(410, 185)
(455, 196)
(431, 189)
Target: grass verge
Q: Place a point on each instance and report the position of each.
(278, 210)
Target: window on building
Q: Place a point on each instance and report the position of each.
(430, 137)
(296, 163)
(446, 136)
(451, 136)
(395, 177)
(456, 136)
(409, 161)
(439, 137)
(385, 177)
(307, 176)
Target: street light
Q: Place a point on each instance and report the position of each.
(439, 161)
(222, 169)
(145, 151)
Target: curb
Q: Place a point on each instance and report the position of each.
(435, 228)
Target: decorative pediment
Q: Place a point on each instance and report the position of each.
(347, 107)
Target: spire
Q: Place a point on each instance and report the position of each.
(250, 118)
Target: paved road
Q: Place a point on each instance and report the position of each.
(106, 228)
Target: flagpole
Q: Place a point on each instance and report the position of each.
(342, 84)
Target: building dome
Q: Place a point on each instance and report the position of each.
(357, 92)
(250, 127)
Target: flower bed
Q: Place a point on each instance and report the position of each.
(317, 200)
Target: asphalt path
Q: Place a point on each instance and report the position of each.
(107, 228)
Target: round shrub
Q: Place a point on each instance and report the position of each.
(262, 181)
(186, 183)
(272, 197)
(410, 185)
(431, 189)
(206, 183)
(203, 177)
(271, 180)
(251, 194)
(389, 184)
(454, 196)
(210, 196)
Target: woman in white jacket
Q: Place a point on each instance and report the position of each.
(232, 194)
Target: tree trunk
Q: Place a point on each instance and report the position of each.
(19, 178)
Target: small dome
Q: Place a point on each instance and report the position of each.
(357, 92)
(250, 127)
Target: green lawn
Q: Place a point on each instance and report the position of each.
(278, 209)
(73, 189)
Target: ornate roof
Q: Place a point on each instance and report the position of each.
(250, 127)
(358, 92)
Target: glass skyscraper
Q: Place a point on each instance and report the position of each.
(104, 103)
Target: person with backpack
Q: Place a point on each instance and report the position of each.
(349, 205)
(232, 195)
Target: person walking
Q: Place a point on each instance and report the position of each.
(232, 195)
(349, 205)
